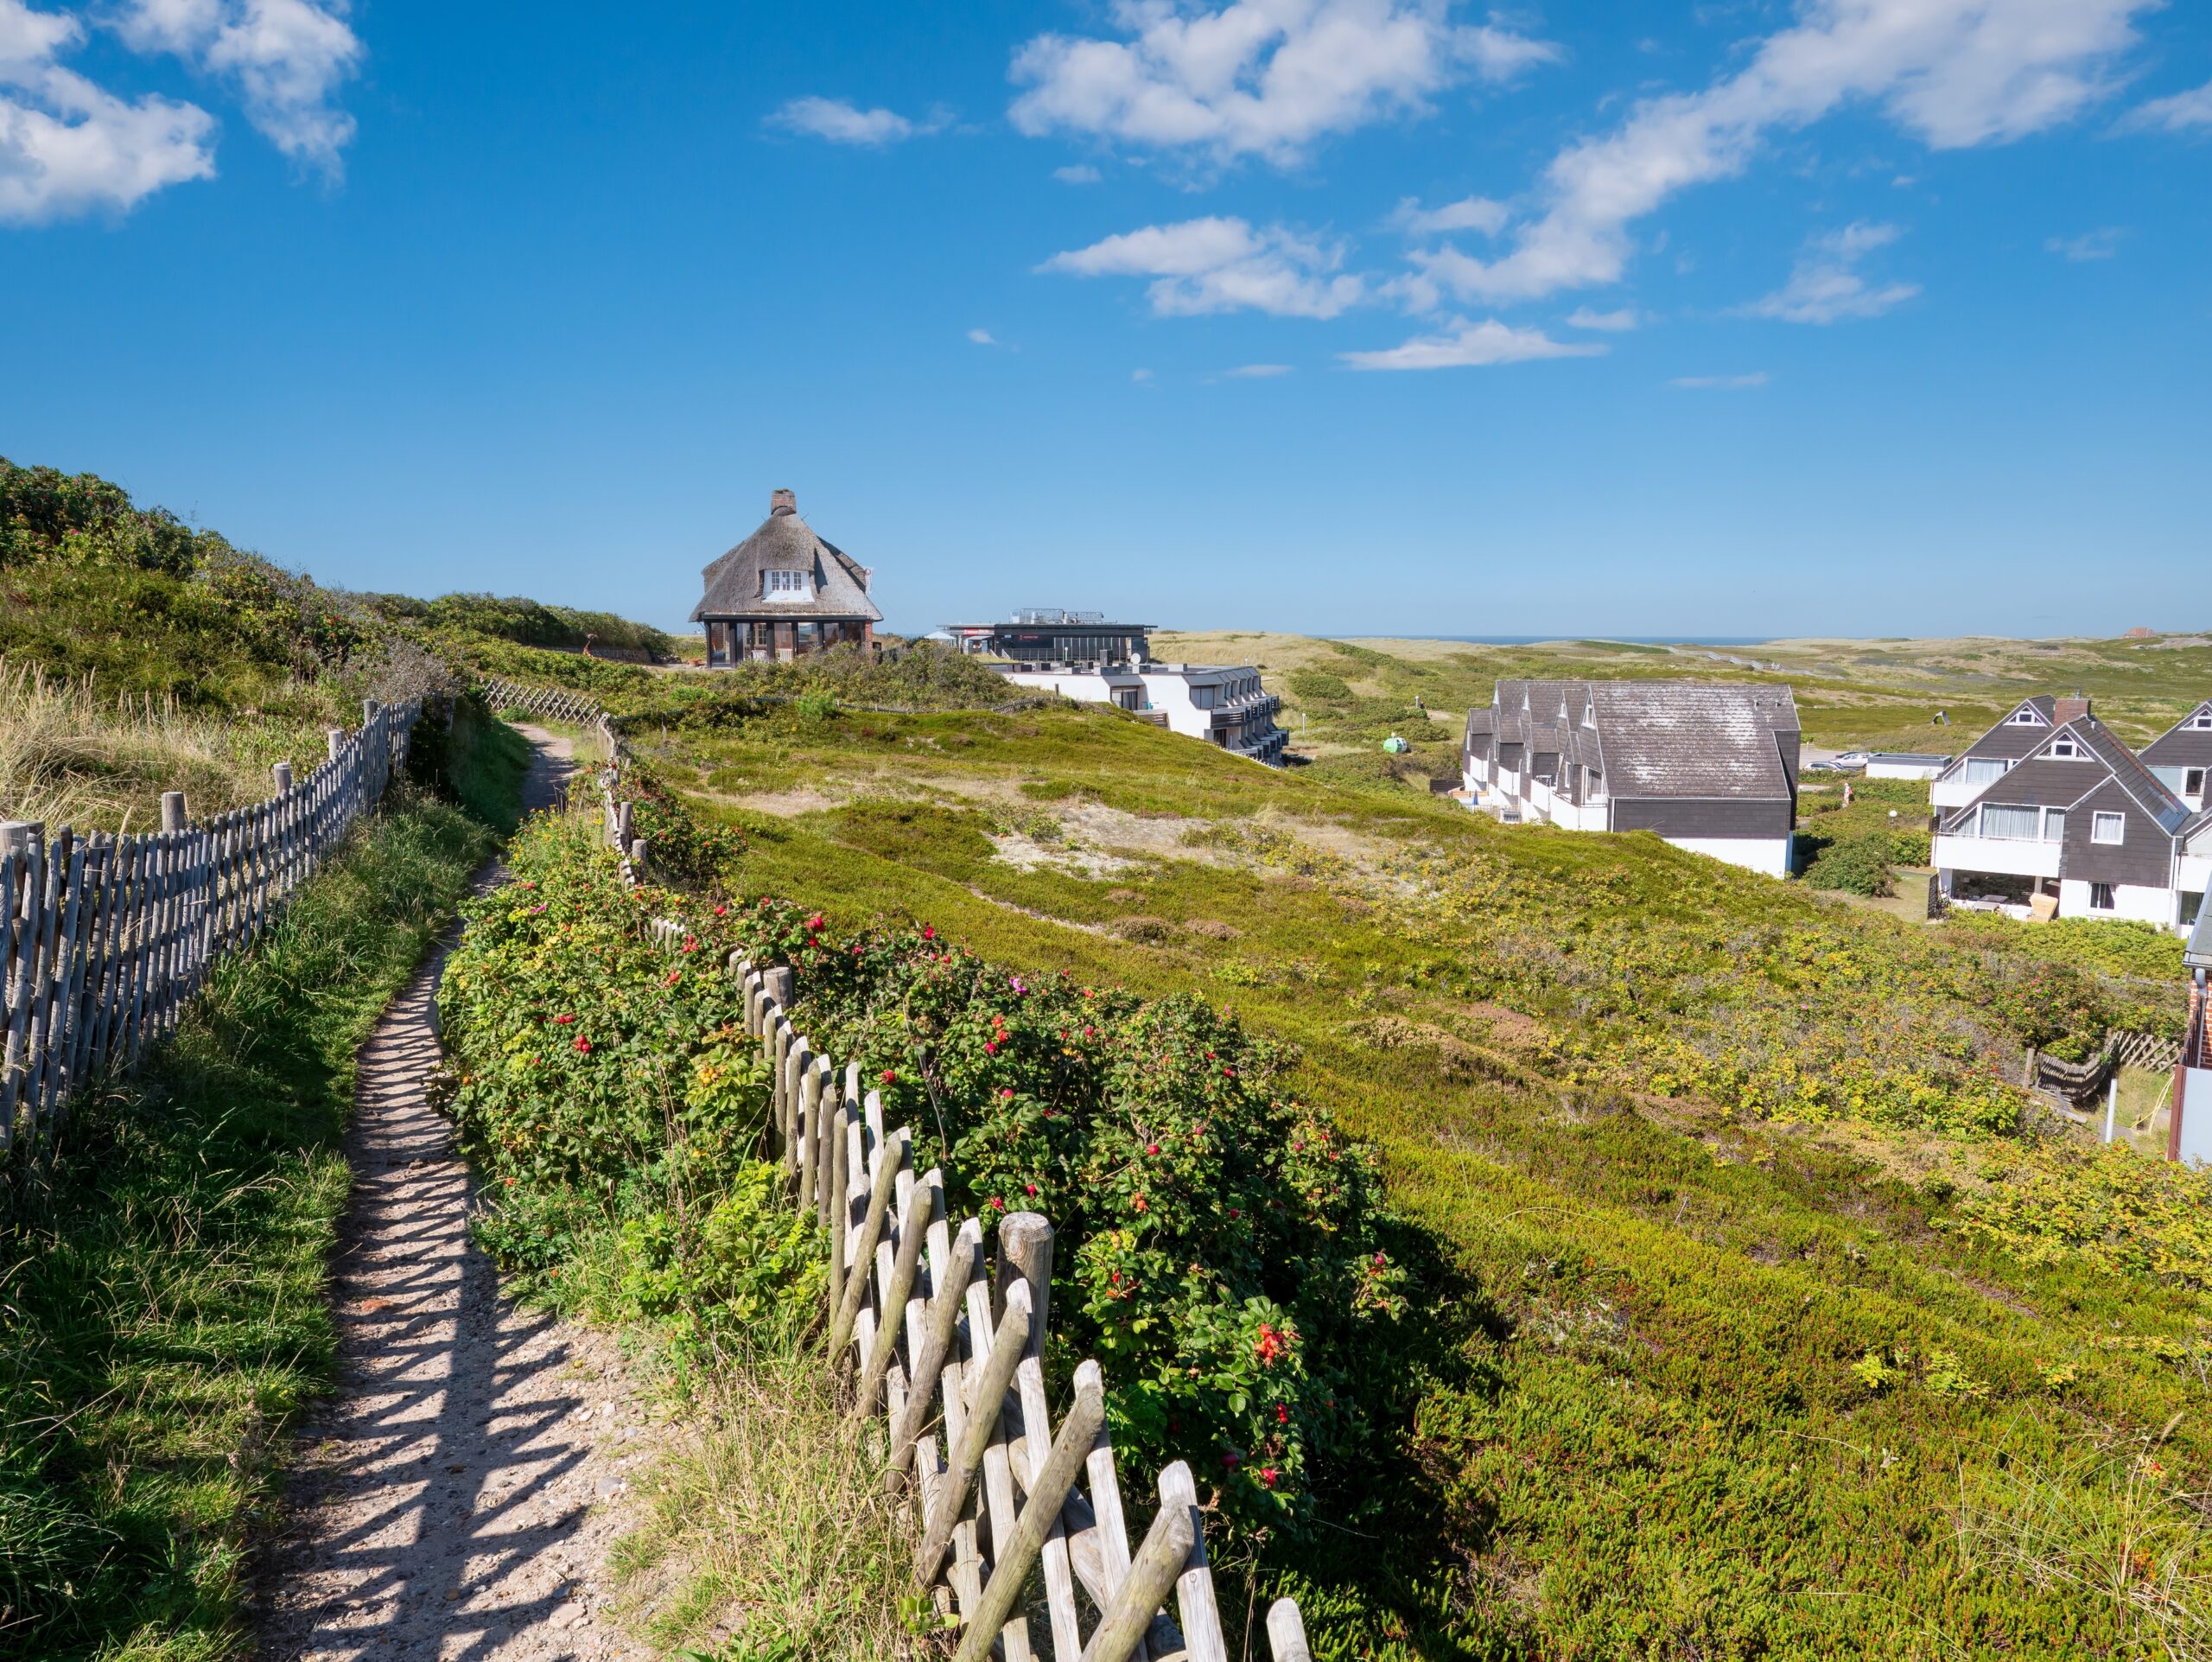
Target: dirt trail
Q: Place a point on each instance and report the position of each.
(456, 1498)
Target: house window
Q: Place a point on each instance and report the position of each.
(2054, 824)
(2202, 722)
(1984, 770)
(2064, 748)
(2107, 828)
(2101, 897)
(2026, 718)
(784, 583)
(2020, 823)
(2192, 782)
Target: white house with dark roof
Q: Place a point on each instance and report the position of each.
(2020, 731)
(2074, 825)
(784, 592)
(1711, 768)
(2182, 756)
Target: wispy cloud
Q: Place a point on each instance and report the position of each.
(1472, 345)
(982, 337)
(1079, 173)
(840, 122)
(1264, 78)
(68, 146)
(287, 58)
(1955, 73)
(1256, 371)
(1469, 213)
(1139, 376)
(1611, 323)
(1721, 382)
(2101, 244)
(2182, 113)
(1218, 264)
(1826, 286)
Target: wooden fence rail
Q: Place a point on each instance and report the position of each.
(945, 1341)
(102, 938)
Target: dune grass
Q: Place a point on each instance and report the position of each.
(1743, 1385)
(163, 1279)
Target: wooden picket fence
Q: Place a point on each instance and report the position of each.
(554, 704)
(944, 1341)
(102, 938)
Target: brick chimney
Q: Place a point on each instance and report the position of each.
(2064, 711)
(780, 503)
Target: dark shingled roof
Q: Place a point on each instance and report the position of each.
(1690, 739)
(1661, 738)
(2045, 781)
(786, 542)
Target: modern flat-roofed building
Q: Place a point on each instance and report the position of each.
(1904, 764)
(1224, 704)
(1047, 635)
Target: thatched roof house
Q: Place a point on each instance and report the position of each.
(785, 592)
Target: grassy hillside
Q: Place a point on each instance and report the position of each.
(1778, 1323)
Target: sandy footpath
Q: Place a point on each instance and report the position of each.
(456, 1498)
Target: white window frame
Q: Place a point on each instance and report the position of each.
(1982, 826)
(2200, 724)
(2065, 747)
(2025, 718)
(1975, 769)
(775, 583)
(2116, 823)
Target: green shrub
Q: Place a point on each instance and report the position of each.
(1859, 866)
(1319, 687)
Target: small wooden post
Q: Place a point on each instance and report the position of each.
(335, 737)
(1026, 1252)
(173, 815)
(282, 774)
(1287, 1634)
(622, 825)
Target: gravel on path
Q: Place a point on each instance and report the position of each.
(455, 1497)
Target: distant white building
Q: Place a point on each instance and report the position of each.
(1081, 655)
(1224, 704)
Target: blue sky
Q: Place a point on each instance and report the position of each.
(1348, 317)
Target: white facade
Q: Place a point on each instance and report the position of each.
(2013, 857)
(1769, 855)
(2129, 901)
(1898, 767)
(1224, 705)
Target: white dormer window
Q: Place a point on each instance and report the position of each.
(2202, 721)
(2026, 718)
(2064, 748)
(786, 585)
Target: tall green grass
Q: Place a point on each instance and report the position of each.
(163, 1309)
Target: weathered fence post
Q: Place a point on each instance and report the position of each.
(173, 815)
(335, 738)
(283, 774)
(1026, 1252)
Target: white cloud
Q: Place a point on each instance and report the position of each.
(1955, 72)
(842, 123)
(1612, 322)
(1140, 375)
(2101, 244)
(1472, 344)
(1264, 78)
(1825, 287)
(287, 57)
(1470, 214)
(982, 337)
(1080, 173)
(2175, 115)
(1721, 382)
(1218, 264)
(1257, 372)
(67, 146)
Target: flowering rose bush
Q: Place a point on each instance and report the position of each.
(1220, 1245)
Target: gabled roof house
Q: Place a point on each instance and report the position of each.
(2074, 826)
(2021, 730)
(785, 592)
(2181, 755)
(1711, 768)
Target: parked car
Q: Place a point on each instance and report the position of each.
(1851, 759)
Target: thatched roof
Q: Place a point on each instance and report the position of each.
(736, 588)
